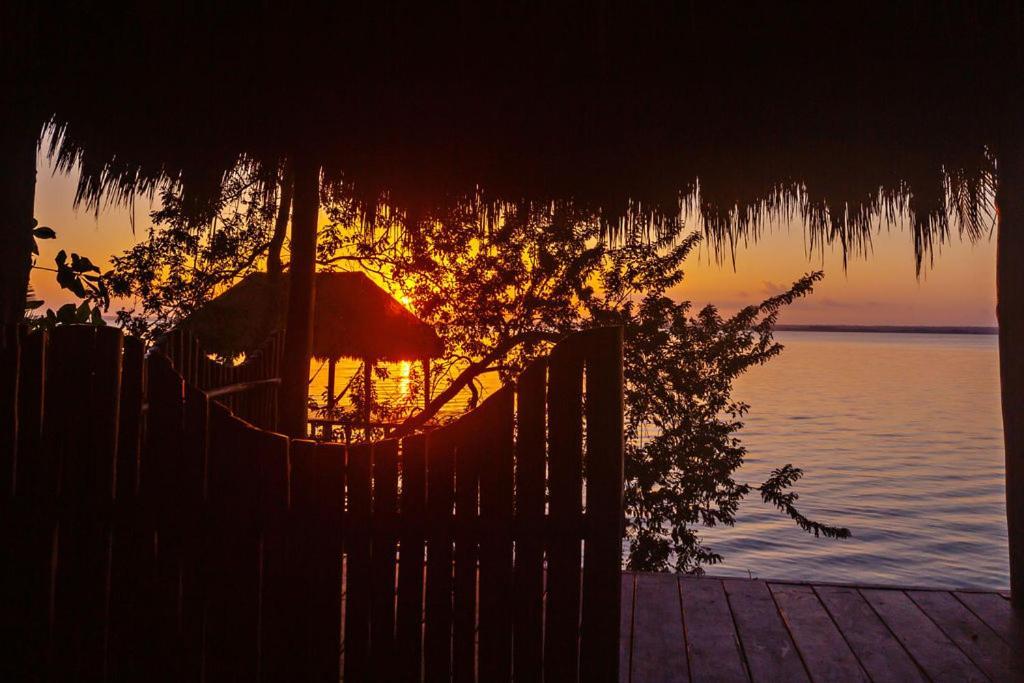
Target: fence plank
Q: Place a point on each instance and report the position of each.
(328, 533)
(38, 483)
(191, 514)
(565, 414)
(464, 604)
(315, 552)
(272, 455)
(496, 503)
(385, 521)
(602, 561)
(232, 635)
(409, 618)
(10, 365)
(358, 583)
(90, 368)
(25, 544)
(529, 559)
(130, 423)
(132, 553)
(166, 493)
(30, 402)
(438, 603)
(302, 523)
(71, 349)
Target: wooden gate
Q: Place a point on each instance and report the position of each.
(151, 534)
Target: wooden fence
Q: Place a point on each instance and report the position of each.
(182, 543)
(259, 371)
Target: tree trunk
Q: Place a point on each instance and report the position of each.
(1010, 310)
(298, 335)
(281, 223)
(18, 142)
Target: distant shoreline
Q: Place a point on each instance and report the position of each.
(897, 329)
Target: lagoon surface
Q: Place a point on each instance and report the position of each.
(900, 439)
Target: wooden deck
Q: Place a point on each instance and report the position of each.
(709, 629)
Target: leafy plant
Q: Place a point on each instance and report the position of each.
(80, 276)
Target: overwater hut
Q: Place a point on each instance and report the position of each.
(845, 114)
(353, 318)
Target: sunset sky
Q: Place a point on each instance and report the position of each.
(883, 289)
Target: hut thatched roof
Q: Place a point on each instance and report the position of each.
(354, 318)
(840, 111)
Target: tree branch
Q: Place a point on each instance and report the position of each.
(414, 422)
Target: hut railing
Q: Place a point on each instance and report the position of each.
(184, 543)
(253, 396)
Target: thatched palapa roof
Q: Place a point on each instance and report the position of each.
(354, 318)
(839, 112)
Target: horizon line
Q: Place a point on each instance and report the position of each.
(898, 329)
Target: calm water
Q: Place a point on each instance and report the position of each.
(899, 437)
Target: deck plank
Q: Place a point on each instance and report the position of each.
(659, 645)
(877, 649)
(767, 645)
(712, 644)
(626, 626)
(980, 643)
(825, 652)
(929, 646)
(997, 613)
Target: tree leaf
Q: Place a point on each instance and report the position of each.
(44, 233)
(66, 314)
(85, 265)
(61, 258)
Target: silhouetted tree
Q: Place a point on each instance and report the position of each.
(501, 291)
(186, 259)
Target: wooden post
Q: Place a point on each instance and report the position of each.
(528, 617)
(426, 382)
(1010, 311)
(367, 398)
(565, 483)
(602, 558)
(298, 339)
(330, 387)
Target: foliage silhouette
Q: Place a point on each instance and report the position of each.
(502, 292)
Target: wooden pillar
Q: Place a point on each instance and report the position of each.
(426, 382)
(367, 398)
(18, 138)
(328, 427)
(330, 386)
(298, 336)
(1010, 311)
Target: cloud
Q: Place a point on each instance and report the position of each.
(828, 302)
